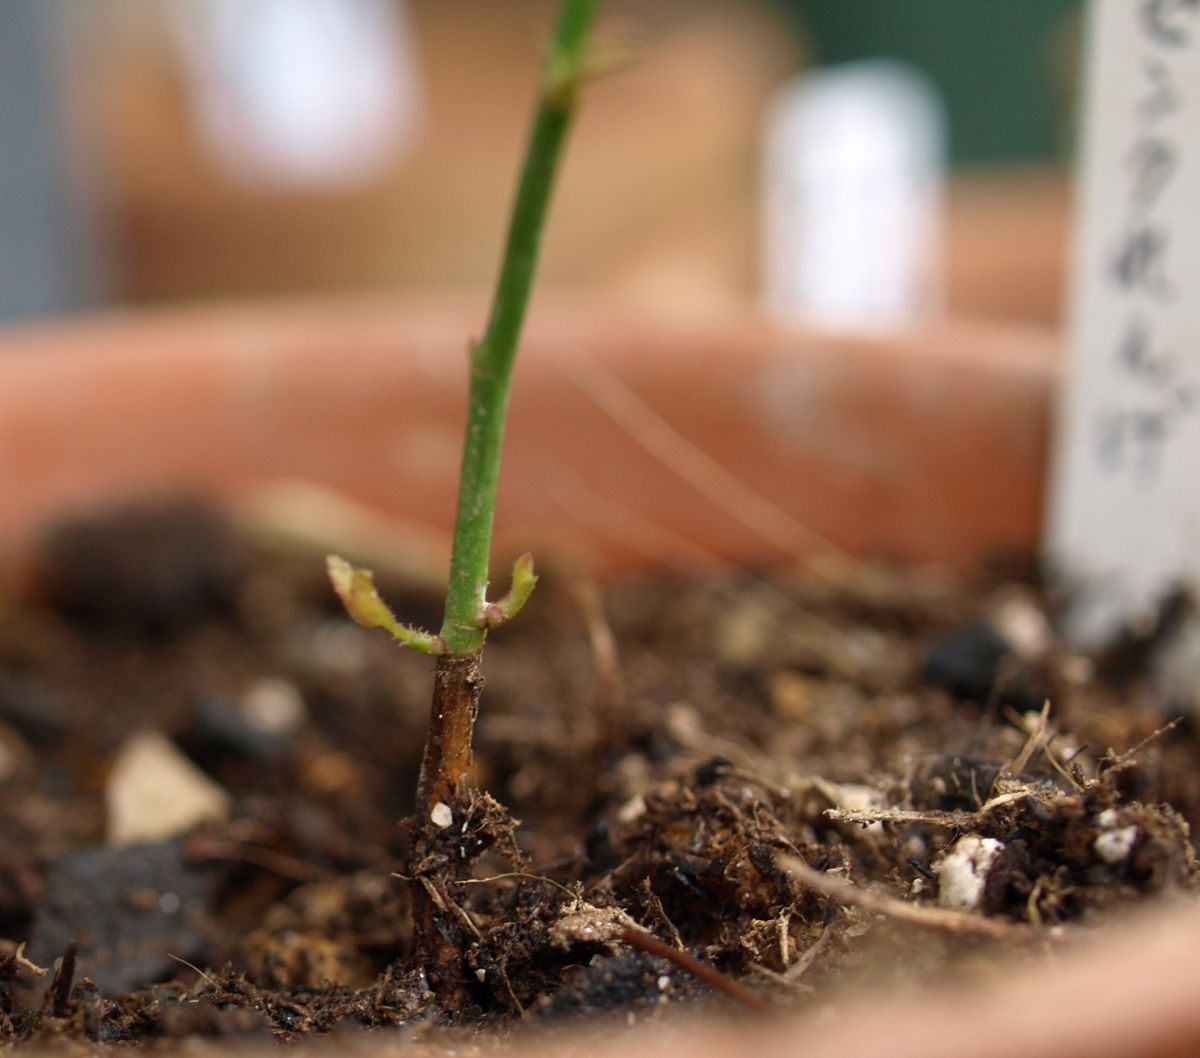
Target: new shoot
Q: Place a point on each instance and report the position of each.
(469, 615)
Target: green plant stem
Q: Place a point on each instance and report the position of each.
(492, 357)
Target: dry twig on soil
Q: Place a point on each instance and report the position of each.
(957, 819)
(961, 922)
(645, 941)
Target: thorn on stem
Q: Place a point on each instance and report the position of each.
(567, 70)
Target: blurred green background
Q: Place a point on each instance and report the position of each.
(1005, 67)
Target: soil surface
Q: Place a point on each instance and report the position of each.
(736, 790)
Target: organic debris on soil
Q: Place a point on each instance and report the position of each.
(731, 790)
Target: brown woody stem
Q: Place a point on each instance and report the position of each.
(457, 685)
(437, 933)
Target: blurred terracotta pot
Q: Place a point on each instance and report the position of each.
(636, 439)
(1130, 994)
(633, 437)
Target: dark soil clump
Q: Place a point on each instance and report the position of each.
(886, 729)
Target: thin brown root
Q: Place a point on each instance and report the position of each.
(512, 874)
(512, 996)
(604, 649)
(1127, 759)
(288, 867)
(699, 469)
(803, 962)
(1059, 767)
(1035, 741)
(851, 895)
(653, 906)
(192, 966)
(780, 980)
(25, 963)
(645, 941)
(448, 906)
(613, 521)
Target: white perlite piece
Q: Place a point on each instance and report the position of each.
(154, 793)
(441, 815)
(1124, 512)
(274, 706)
(1022, 625)
(1114, 844)
(962, 872)
(632, 809)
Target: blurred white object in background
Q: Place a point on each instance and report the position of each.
(51, 252)
(1124, 520)
(301, 92)
(852, 198)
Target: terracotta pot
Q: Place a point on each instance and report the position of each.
(1130, 994)
(636, 439)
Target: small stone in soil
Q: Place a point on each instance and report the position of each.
(154, 792)
(954, 782)
(33, 709)
(257, 726)
(151, 570)
(712, 769)
(615, 982)
(129, 910)
(967, 662)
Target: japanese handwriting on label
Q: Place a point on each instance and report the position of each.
(1133, 427)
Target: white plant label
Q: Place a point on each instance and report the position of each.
(1124, 523)
(301, 93)
(852, 198)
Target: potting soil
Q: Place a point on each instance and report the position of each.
(716, 791)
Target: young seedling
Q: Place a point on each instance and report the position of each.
(469, 615)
